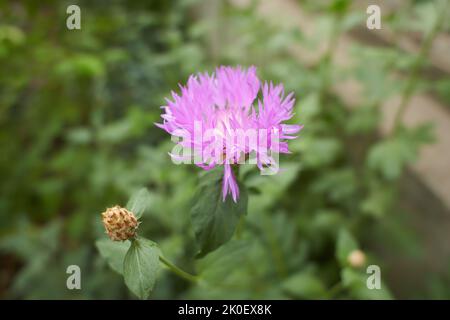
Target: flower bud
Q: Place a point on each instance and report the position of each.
(356, 258)
(120, 224)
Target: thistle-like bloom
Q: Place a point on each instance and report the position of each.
(223, 121)
(120, 224)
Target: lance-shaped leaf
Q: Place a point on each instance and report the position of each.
(214, 220)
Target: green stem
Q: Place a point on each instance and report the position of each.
(326, 59)
(277, 252)
(415, 68)
(181, 273)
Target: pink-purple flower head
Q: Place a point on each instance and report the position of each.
(223, 121)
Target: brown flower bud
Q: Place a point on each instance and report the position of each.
(120, 224)
(357, 258)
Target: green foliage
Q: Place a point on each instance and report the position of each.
(355, 283)
(140, 267)
(363, 120)
(217, 267)
(113, 252)
(379, 200)
(139, 202)
(304, 286)
(77, 135)
(345, 245)
(390, 156)
(442, 88)
(214, 220)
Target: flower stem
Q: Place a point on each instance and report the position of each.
(415, 68)
(181, 273)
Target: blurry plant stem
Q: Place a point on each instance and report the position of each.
(417, 65)
(327, 58)
(181, 273)
(190, 277)
(212, 11)
(277, 253)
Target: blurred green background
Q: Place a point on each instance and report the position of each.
(77, 135)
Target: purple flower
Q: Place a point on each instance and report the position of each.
(223, 121)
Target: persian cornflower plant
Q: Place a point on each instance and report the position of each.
(226, 119)
(220, 118)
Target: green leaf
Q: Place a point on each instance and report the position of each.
(12, 34)
(339, 6)
(337, 184)
(442, 87)
(356, 282)
(378, 201)
(114, 252)
(352, 20)
(272, 187)
(139, 202)
(427, 15)
(304, 286)
(421, 134)
(141, 266)
(217, 267)
(79, 136)
(390, 156)
(346, 243)
(87, 65)
(254, 190)
(363, 120)
(307, 108)
(326, 221)
(214, 220)
(319, 152)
